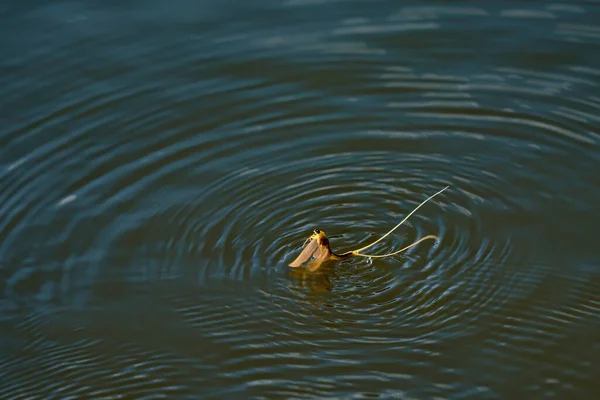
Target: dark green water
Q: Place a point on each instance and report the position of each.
(162, 162)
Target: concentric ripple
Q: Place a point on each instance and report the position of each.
(162, 164)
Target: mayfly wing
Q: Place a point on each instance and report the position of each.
(319, 259)
(310, 250)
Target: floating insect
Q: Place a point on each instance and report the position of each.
(317, 248)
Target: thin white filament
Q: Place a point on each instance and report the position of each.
(399, 251)
(356, 252)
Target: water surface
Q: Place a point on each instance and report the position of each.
(162, 162)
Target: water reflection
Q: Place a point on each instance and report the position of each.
(317, 281)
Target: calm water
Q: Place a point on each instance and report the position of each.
(162, 162)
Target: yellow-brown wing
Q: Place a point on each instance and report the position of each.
(320, 258)
(310, 250)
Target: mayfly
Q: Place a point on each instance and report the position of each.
(317, 247)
